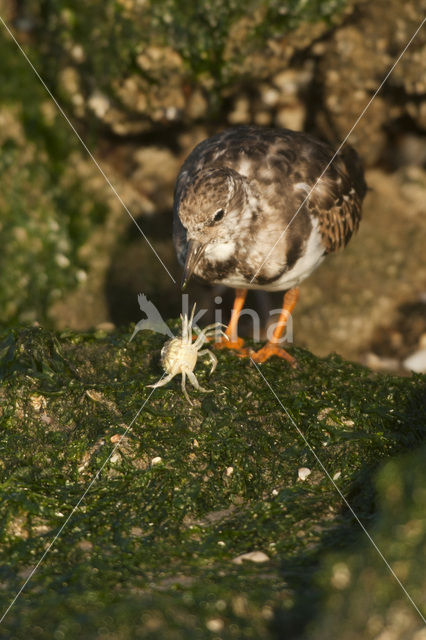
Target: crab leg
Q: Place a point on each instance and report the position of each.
(213, 359)
(208, 331)
(185, 393)
(193, 380)
(162, 382)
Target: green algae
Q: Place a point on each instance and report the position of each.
(360, 597)
(113, 34)
(149, 552)
(47, 213)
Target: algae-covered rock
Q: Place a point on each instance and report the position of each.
(364, 600)
(136, 67)
(149, 67)
(203, 521)
(133, 66)
(48, 206)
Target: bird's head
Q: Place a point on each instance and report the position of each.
(210, 210)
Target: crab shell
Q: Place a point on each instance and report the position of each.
(176, 356)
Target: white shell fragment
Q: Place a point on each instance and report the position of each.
(251, 556)
(303, 473)
(416, 362)
(215, 624)
(180, 355)
(341, 576)
(156, 460)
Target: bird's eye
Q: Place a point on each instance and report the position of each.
(218, 215)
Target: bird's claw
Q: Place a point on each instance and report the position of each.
(236, 345)
(270, 349)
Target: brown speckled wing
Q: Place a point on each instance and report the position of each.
(295, 161)
(336, 200)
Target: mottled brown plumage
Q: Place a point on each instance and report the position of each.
(259, 208)
(260, 178)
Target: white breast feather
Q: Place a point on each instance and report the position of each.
(245, 168)
(221, 251)
(308, 262)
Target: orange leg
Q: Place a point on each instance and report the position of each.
(272, 347)
(234, 342)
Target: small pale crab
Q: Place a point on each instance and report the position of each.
(180, 355)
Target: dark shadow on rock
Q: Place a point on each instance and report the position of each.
(135, 269)
(402, 337)
(301, 572)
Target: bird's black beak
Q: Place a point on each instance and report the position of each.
(195, 253)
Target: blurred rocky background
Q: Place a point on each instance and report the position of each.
(143, 81)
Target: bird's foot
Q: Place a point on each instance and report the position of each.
(271, 349)
(236, 345)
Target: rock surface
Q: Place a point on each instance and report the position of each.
(149, 552)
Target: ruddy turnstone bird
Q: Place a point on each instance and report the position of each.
(245, 216)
